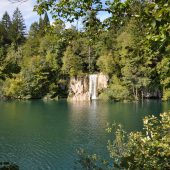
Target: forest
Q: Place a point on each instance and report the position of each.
(131, 46)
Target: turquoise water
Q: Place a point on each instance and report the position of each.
(39, 135)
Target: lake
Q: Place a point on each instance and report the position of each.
(39, 135)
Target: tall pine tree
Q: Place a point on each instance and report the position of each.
(2, 35)
(6, 23)
(41, 27)
(43, 24)
(6, 20)
(18, 27)
(46, 20)
(34, 29)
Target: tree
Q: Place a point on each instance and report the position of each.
(2, 34)
(44, 24)
(156, 16)
(34, 29)
(6, 21)
(72, 63)
(41, 27)
(18, 27)
(11, 63)
(164, 73)
(74, 9)
(91, 27)
(46, 20)
(31, 46)
(134, 58)
(106, 63)
(35, 78)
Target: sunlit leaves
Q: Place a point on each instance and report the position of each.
(145, 150)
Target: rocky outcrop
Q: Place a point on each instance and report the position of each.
(102, 81)
(79, 87)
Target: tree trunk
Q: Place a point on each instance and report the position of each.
(136, 93)
(89, 58)
(142, 94)
(133, 88)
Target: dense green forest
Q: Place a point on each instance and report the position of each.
(131, 46)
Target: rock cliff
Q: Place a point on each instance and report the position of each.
(79, 87)
(102, 81)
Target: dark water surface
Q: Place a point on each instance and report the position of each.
(44, 136)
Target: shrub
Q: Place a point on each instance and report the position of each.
(117, 91)
(145, 150)
(166, 94)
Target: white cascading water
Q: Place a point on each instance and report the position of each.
(93, 86)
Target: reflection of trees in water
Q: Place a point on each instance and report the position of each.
(94, 113)
(79, 111)
(8, 166)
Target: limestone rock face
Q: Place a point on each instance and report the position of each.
(102, 81)
(79, 87)
(78, 90)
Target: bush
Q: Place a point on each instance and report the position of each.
(145, 150)
(166, 94)
(14, 87)
(117, 91)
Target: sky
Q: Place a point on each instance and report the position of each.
(26, 9)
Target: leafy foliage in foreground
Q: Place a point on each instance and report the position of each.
(149, 149)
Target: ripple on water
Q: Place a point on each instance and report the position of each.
(33, 154)
(41, 136)
(40, 157)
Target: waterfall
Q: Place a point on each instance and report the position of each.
(93, 86)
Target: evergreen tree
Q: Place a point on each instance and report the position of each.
(6, 20)
(18, 27)
(43, 24)
(91, 26)
(46, 20)
(41, 27)
(2, 34)
(34, 29)
(6, 24)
